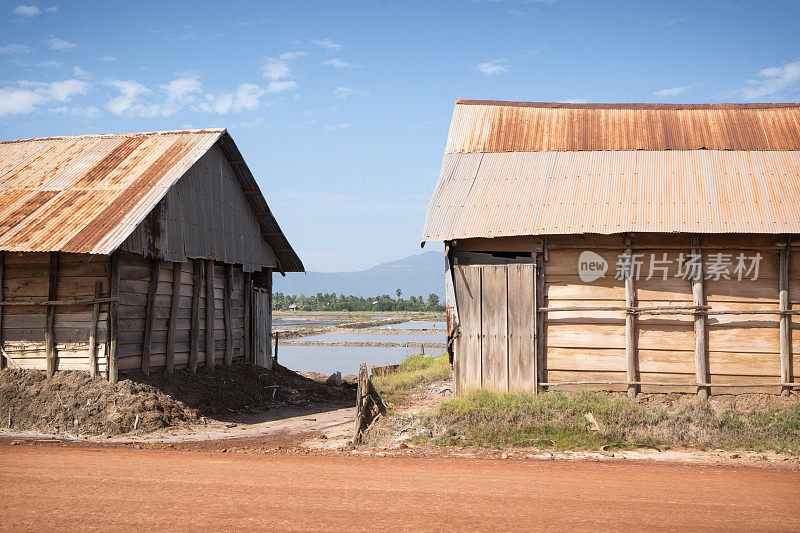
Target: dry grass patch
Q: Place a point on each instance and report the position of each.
(558, 421)
(414, 371)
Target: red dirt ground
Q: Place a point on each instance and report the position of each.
(110, 488)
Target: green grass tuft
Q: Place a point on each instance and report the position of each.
(414, 371)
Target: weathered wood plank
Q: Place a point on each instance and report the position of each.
(3, 361)
(113, 314)
(631, 363)
(98, 292)
(173, 317)
(247, 311)
(785, 329)
(210, 356)
(494, 331)
(227, 315)
(700, 347)
(148, 327)
(522, 327)
(195, 329)
(52, 356)
(468, 344)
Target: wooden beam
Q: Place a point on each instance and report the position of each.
(700, 348)
(155, 267)
(210, 314)
(3, 361)
(113, 319)
(173, 317)
(195, 328)
(631, 355)
(537, 322)
(247, 295)
(29, 302)
(98, 291)
(49, 340)
(785, 322)
(226, 310)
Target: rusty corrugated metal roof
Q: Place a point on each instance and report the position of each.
(86, 194)
(548, 193)
(521, 168)
(489, 126)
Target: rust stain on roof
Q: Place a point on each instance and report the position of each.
(85, 194)
(490, 126)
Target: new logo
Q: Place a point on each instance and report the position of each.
(591, 266)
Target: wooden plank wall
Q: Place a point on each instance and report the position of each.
(588, 347)
(134, 286)
(25, 277)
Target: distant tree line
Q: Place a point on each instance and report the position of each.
(340, 302)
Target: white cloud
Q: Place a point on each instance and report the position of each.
(276, 69)
(280, 86)
(15, 101)
(27, 96)
(52, 9)
(773, 80)
(328, 44)
(128, 101)
(246, 98)
(672, 91)
(342, 92)
(54, 43)
(338, 63)
(339, 126)
(78, 72)
(26, 11)
(49, 63)
(86, 112)
(490, 68)
(291, 56)
(108, 59)
(573, 101)
(15, 49)
(62, 91)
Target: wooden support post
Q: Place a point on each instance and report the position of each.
(541, 355)
(155, 268)
(113, 320)
(536, 324)
(210, 356)
(3, 361)
(195, 331)
(247, 295)
(785, 324)
(275, 357)
(49, 340)
(631, 366)
(173, 316)
(226, 309)
(98, 292)
(700, 348)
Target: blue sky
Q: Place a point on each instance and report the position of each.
(341, 109)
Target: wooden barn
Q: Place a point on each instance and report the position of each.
(150, 251)
(632, 247)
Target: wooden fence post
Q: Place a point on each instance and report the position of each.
(173, 316)
(210, 355)
(631, 352)
(98, 293)
(49, 340)
(3, 361)
(247, 295)
(155, 271)
(536, 326)
(541, 352)
(226, 309)
(785, 325)
(194, 349)
(113, 314)
(700, 348)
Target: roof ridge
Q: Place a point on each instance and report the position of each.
(640, 105)
(112, 135)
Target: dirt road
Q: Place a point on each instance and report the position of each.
(44, 488)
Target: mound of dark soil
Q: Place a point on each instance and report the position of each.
(74, 403)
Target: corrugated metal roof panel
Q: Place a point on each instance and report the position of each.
(486, 126)
(86, 194)
(540, 193)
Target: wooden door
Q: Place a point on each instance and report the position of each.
(262, 327)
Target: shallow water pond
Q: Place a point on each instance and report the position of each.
(415, 324)
(329, 359)
(366, 337)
